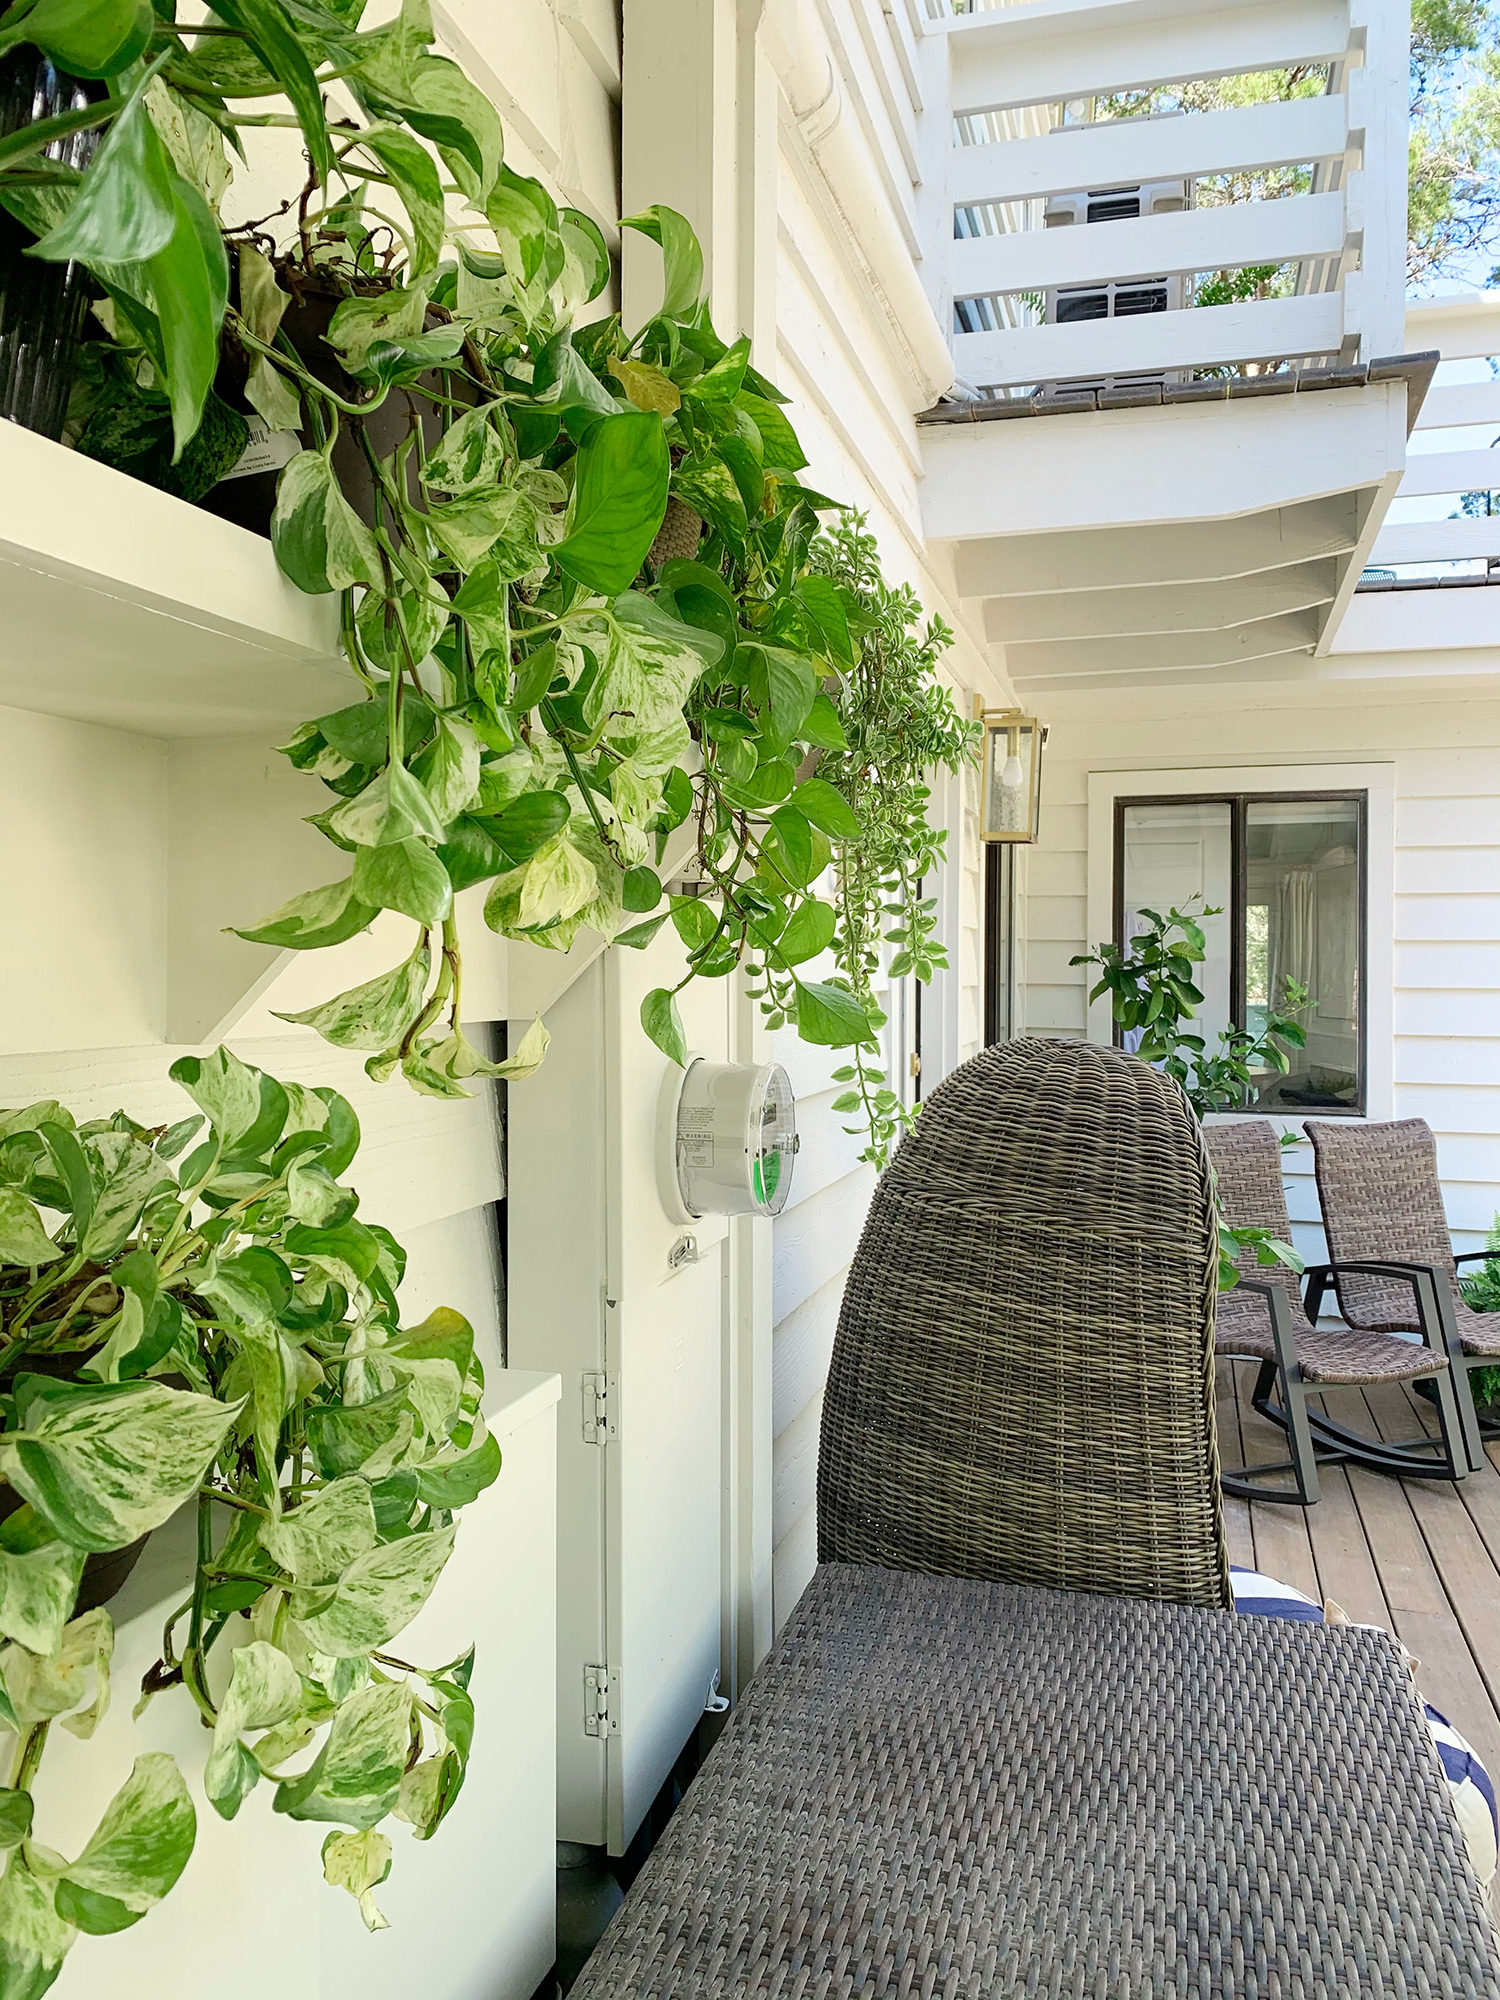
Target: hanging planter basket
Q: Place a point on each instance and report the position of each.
(247, 494)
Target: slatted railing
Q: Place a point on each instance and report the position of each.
(1018, 75)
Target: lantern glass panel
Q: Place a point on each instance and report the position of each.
(1012, 754)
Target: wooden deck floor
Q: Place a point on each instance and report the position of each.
(1421, 1557)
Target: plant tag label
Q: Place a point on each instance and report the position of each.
(267, 450)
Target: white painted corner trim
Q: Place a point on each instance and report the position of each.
(1377, 780)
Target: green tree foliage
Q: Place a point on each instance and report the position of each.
(1454, 149)
(1454, 188)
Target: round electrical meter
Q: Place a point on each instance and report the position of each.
(736, 1138)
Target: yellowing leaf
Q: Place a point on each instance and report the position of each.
(358, 1862)
(264, 1688)
(648, 387)
(40, 1687)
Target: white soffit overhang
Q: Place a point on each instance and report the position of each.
(1178, 541)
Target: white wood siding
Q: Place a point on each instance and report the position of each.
(1446, 758)
(855, 422)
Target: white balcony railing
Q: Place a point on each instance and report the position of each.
(1124, 300)
(1433, 537)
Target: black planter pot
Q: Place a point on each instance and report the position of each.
(42, 306)
(249, 499)
(104, 1574)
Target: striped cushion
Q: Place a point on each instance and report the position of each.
(1468, 1781)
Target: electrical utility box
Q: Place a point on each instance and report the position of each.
(609, 1286)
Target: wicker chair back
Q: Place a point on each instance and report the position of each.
(1382, 1201)
(1022, 1378)
(1246, 1157)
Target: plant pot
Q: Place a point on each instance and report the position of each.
(248, 497)
(104, 1573)
(42, 306)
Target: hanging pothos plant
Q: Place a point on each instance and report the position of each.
(579, 594)
(205, 1320)
(585, 613)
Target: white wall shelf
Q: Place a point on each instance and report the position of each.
(127, 607)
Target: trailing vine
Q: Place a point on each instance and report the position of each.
(206, 1323)
(579, 598)
(901, 725)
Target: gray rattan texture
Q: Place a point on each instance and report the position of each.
(1382, 1200)
(1246, 1157)
(971, 1791)
(1022, 1379)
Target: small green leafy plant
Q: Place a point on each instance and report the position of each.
(1151, 991)
(1481, 1290)
(1152, 994)
(197, 1316)
(901, 726)
(1269, 1251)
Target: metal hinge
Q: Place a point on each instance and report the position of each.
(598, 1417)
(601, 1690)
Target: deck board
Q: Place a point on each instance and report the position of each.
(1420, 1557)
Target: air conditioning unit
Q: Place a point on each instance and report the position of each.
(1117, 298)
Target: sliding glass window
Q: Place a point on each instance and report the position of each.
(1286, 873)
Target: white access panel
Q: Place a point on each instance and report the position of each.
(664, 1540)
(555, 1309)
(628, 1306)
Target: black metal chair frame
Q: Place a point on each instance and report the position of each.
(1450, 1456)
(1436, 1299)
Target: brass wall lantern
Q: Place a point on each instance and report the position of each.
(1011, 775)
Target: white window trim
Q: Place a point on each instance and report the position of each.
(1378, 781)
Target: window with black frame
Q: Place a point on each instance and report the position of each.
(1285, 873)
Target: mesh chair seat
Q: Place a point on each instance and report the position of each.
(1387, 1306)
(1326, 1354)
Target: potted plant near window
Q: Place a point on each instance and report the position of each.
(1152, 994)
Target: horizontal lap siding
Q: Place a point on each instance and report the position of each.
(1447, 893)
(813, 1240)
(852, 412)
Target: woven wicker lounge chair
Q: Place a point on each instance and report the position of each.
(1022, 1379)
(1382, 1205)
(1263, 1319)
(947, 1785)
